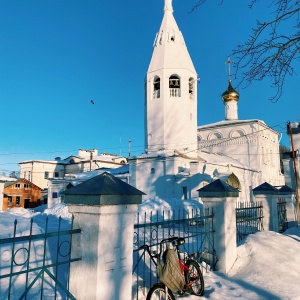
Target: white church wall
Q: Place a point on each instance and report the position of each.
(171, 177)
(258, 148)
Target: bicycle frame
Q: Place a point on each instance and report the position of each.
(183, 262)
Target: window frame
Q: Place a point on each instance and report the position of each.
(18, 200)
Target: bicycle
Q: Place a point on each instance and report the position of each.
(194, 282)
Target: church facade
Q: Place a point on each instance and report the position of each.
(181, 157)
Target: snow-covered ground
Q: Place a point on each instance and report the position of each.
(267, 267)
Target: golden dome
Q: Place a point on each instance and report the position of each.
(230, 94)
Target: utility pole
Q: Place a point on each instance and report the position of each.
(296, 174)
(129, 142)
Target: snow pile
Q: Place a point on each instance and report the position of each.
(158, 209)
(58, 210)
(267, 265)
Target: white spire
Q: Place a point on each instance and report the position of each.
(168, 6)
(169, 45)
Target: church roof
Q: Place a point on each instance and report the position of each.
(169, 45)
(230, 94)
(222, 160)
(231, 122)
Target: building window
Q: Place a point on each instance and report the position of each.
(17, 186)
(156, 88)
(184, 192)
(152, 171)
(56, 174)
(9, 201)
(46, 175)
(54, 195)
(18, 200)
(174, 86)
(26, 186)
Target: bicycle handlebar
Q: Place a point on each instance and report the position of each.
(147, 247)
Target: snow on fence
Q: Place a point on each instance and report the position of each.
(35, 259)
(151, 228)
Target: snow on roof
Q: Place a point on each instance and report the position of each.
(5, 178)
(222, 160)
(230, 122)
(114, 171)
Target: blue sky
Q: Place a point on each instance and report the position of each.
(55, 56)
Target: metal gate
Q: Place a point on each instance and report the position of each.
(37, 265)
(249, 219)
(195, 227)
(281, 211)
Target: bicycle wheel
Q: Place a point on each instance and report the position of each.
(158, 292)
(194, 278)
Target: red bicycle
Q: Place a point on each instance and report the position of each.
(194, 282)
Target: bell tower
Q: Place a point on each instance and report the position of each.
(171, 93)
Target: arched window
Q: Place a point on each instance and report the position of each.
(152, 171)
(215, 136)
(237, 133)
(156, 87)
(174, 86)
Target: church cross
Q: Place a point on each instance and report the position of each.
(228, 62)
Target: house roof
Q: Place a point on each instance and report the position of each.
(103, 184)
(6, 184)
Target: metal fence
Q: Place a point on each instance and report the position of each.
(249, 219)
(195, 226)
(36, 266)
(282, 217)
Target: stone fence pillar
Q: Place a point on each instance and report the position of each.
(288, 195)
(104, 209)
(222, 198)
(268, 195)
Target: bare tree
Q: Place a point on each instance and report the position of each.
(270, 51)
(14, 174)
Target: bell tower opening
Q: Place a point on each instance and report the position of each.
(174, 86)
(156, 88)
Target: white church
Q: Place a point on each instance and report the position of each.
(181, 157)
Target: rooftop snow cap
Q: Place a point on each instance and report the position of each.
(230, 94)
(218, 188)
(103, 189)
